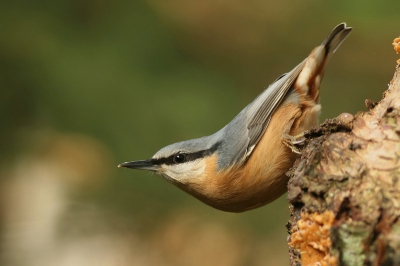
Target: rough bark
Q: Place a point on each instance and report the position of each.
(344, 191)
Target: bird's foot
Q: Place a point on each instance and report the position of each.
(292, 141)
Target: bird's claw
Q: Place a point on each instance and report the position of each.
(292, 141)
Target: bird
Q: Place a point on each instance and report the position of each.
(243, 166)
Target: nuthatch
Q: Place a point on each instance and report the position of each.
(243, 165)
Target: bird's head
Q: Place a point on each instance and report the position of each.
(179, 162)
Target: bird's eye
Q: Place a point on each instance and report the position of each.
(179, 158)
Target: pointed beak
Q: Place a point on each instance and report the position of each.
(140, 165)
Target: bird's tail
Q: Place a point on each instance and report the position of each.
(309, 79)
(336, 37)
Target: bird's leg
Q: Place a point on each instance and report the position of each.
(297, 139)
(292, 141)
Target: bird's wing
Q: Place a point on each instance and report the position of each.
(246, 129)
(260, 111)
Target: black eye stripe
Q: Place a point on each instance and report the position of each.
(187, 157)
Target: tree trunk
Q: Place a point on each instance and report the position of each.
(344, 191)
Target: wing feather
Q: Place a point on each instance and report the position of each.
(261, 110)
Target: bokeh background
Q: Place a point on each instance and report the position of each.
(85, 85)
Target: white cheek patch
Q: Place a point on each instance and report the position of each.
(181, 172)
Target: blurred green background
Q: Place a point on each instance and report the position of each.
(85, 85)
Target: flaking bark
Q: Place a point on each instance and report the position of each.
(344, 191)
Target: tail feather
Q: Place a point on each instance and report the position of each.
(336, 37)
